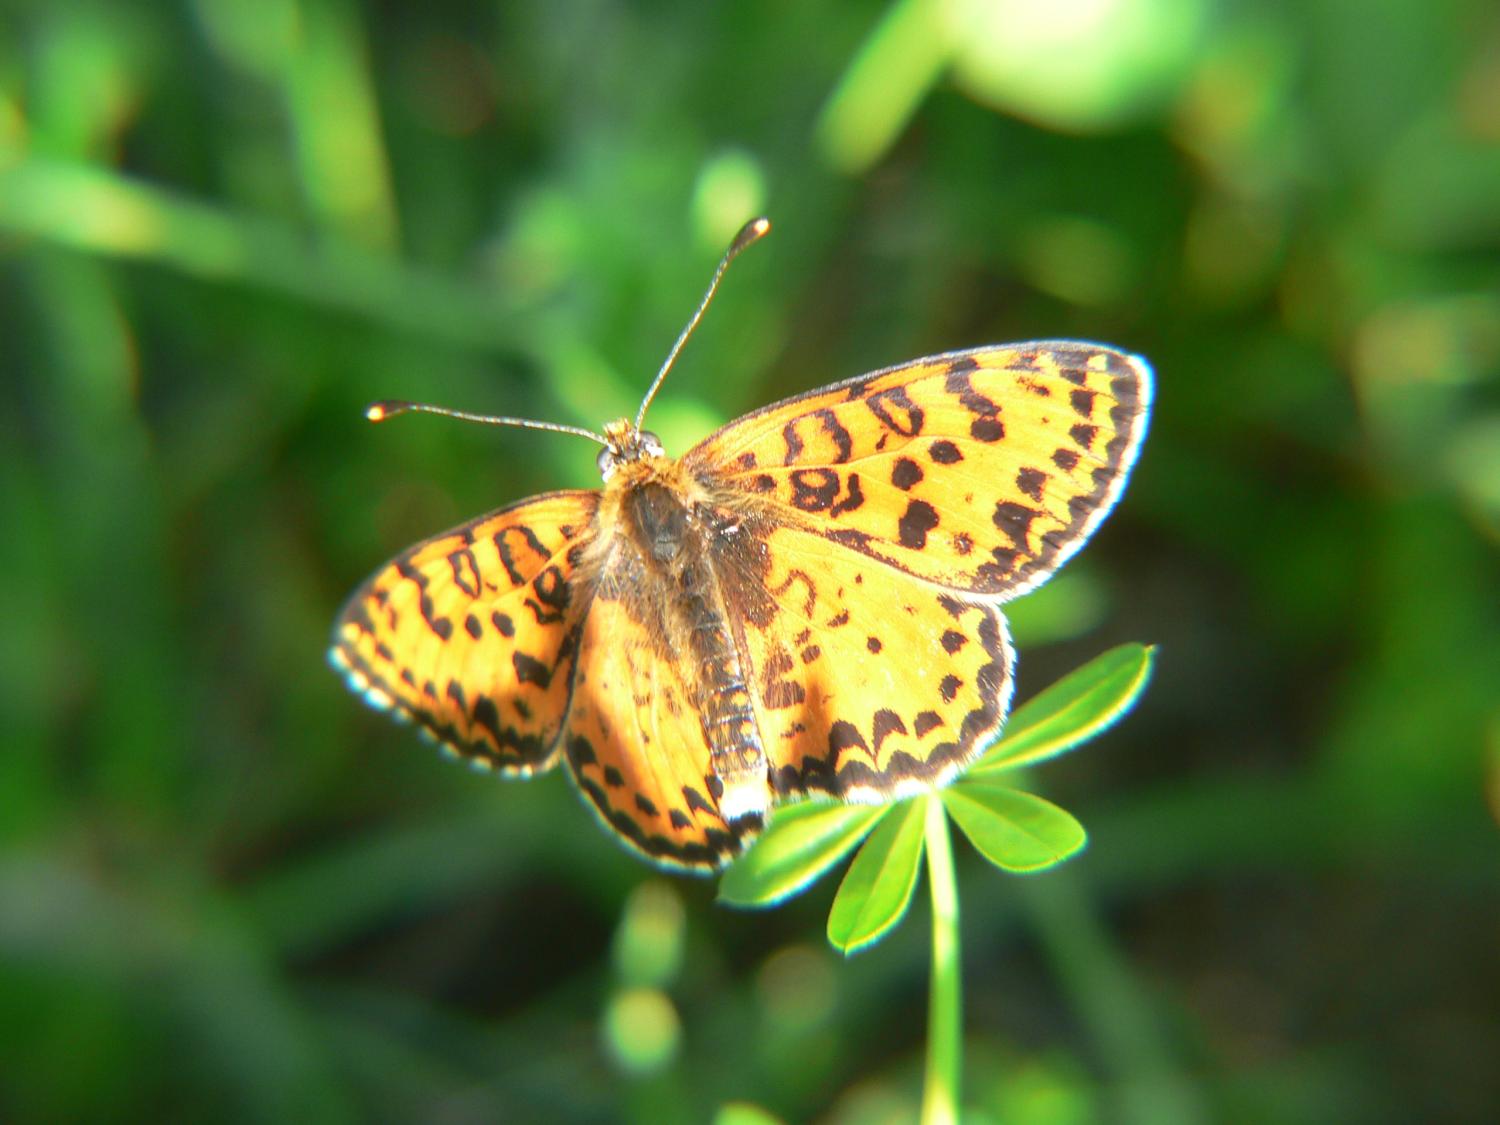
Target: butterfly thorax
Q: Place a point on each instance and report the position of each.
(661, 533)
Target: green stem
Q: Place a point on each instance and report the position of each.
(945, 1000)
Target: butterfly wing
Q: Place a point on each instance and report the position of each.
(981, 471)
(635, 738)
(885, 518)
(473, 635)
(868, 685)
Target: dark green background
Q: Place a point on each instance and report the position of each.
(228, 889)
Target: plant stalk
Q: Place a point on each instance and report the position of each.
(940, 1097)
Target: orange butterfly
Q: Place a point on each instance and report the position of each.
(806, 602)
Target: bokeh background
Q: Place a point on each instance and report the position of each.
(228, 890)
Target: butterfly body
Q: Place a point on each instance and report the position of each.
(673, 556)
(807, 602)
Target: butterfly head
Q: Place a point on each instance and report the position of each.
(624, 444)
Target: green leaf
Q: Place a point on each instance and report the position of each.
(878, 886)
(1015, 831)
(803, 841)
(1071, 711)
(744, 1113)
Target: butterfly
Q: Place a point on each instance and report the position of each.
(806, 602)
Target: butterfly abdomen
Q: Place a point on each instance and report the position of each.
(727, 717)
(673, 538)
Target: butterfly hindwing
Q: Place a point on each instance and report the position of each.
(981, 471)
(869, 684)
(473, 635)
(635, 740)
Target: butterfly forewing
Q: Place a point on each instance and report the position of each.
(473, 634)
(981, 471)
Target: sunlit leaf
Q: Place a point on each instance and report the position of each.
(1071, 711)
(1076, 64)
(877, 889)
(884, 86)
(1015, 831)
(744, 1113)
(803, 841)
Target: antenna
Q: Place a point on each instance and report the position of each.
(752, 231)
(389, 408)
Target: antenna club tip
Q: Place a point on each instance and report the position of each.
(752, 231)
(380, 411)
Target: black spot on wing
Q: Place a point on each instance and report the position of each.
(581, 752)
(456, 693)
(905, 473)
(814, 490)
(530, 670)
(985, 425)
(1015, 520)
(919, 518)
(697, 802)
(506, 550)
(487, 717)
(1031, 482)
(944, 452)
(986, 429)
(843, 735)
(465, 571)
(776, 692)
(853, 499)
(842, 443)
(793, 442)
(552, 596)
(887, 722)
(896, 411)
(850, 537)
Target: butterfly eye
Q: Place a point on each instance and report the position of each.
(607, 462)
(651, 445)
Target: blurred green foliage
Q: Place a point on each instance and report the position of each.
(227, 890)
